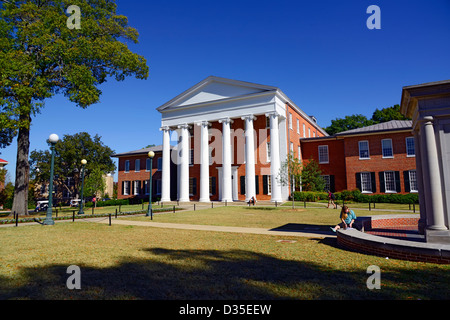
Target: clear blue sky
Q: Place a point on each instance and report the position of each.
(319, 53)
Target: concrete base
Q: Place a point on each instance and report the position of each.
(437, 236)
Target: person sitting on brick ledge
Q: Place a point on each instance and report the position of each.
(348, 217)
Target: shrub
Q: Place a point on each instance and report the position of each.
(357, 196)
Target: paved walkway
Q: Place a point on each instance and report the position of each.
(294, 233)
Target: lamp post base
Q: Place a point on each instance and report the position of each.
(48, 222)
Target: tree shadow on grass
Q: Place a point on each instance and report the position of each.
(214, 275)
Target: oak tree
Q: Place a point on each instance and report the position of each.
(42, 56)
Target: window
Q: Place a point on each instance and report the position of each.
(267, 122)
(410, 147)
(291, 148)
(212, 185)
(136, 187)
(309, 132)
(191, 157)
(413, 181)
(304, 131)
(125, 188)
(389, 181)
(268, 151)
(159, 165)
(366, 182)
(290, 120)
(323, 154)
(158, 187)
(299, 153)
(192, 186)
(147, 187)
(137, 165)
(298, 126)
(364, 150)
(147, 164)
(127, 165)
(386, 145)
(327, 182)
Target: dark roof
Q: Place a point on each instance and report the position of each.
(155, 149)
(393, 125)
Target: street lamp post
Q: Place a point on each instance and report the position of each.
(83, 162)
(151, 154)
(48, 219)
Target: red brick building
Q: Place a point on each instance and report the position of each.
(3, 163)
(373, 159)
(134, 174)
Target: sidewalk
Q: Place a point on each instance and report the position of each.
(294, 233)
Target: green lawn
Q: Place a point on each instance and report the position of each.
(131, 262)
(256, 217)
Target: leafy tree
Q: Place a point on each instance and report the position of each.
(348, 123)
(311, 177)
(290, 172)
(69, 152)
(388, 114)
(41, 56)
(95, 184)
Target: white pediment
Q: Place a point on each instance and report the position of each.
(214, 89)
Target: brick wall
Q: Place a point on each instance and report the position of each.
(336, 165)
(398, 163)
(142, 175)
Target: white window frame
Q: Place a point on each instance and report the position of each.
(268, 151)
(383, 148)
(298, 126)
(322, 153)
(413, 173)
(366, 182)
(136, 183)
(393, 182)
(126, 188)
(413, 146)
(290, 120)
(304, 131)
(360, 149)
(127, 166)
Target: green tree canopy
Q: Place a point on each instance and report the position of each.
(69, 152)
(388, 114)
(348, 123)
(311, 177)
(41, 56)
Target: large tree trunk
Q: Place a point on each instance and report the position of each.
(20, 204)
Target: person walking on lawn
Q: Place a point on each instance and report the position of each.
(331, 199)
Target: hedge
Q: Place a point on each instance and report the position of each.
(357, 196)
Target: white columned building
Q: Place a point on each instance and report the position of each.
(226, 110)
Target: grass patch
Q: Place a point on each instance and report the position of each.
(120, 262)
(256, 217)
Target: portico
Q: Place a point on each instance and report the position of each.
(225, 131)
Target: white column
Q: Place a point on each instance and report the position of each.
(274, 157)
(165, 178)
(432, 176)
(204, 162)
(184, 154)
(226, 161)
(250, 188)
